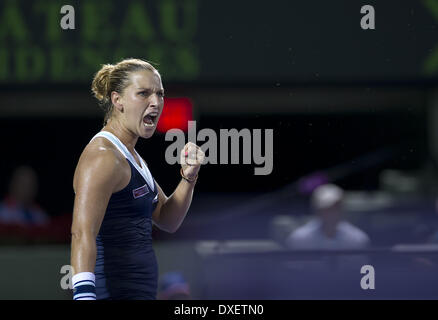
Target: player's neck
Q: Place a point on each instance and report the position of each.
(125, 136)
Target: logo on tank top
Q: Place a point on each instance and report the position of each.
(140, 192)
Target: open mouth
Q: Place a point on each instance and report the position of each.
(150, 119)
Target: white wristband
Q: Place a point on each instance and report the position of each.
(84, 287)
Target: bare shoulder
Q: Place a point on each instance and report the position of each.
(101, 161)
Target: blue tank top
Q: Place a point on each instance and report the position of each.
(126, 266)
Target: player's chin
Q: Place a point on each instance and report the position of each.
(147, 132)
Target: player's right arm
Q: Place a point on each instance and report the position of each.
(97, 176)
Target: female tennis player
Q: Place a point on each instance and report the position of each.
(116, 198)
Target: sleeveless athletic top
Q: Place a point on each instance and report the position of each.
(126, 266)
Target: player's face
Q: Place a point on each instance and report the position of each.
(143, 102)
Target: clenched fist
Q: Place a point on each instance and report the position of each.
(191, 159)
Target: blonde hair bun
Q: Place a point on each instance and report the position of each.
(100, 85)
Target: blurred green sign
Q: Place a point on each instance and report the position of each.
(34, 47)
(220, 41)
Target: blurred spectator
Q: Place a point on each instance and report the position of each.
(22, 220)
(327, 230)
(173, 286)
(19, 206)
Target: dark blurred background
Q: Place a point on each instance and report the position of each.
(353, 107)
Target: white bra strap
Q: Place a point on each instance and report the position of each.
(116, 142)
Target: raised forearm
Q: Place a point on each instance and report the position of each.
(174, 209)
